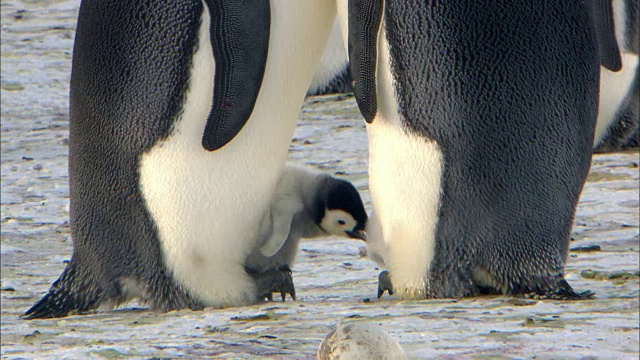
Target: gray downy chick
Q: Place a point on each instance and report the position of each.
(306, 204)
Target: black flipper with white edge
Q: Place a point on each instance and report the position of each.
(240, 42)
(365, 17)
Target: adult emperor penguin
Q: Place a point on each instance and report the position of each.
(306, 204)
(181, 115)
(618, 124)
(480, 121)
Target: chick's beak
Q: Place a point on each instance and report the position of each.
(357, 234)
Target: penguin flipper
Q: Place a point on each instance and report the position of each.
(282, 213)
(239, 36)
(608, 50)
(365, 17)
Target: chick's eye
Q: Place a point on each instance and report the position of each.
(341, 222)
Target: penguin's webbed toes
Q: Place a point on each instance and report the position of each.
(384, 284)
(284, 283)
(275, 280)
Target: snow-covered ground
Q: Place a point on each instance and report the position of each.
(332, 278)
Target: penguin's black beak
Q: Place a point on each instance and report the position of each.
(357, 234)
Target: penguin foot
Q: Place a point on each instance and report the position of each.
(278, 280)
(562, 291)
(384, 284)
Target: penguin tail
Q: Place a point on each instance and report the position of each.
(47, 307)
(557, 289)
(70, 294)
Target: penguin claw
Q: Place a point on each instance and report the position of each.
(286, 283)
(274, 280)
(384, 284)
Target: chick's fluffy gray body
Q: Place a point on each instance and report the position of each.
(300, 202)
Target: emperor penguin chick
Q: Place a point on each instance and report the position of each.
(306, 204)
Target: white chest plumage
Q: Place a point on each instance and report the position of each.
(615, 86)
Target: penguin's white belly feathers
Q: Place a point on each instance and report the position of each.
(614, 88)
(333, 61)
(404, 181)
(377, 247)
(207, 206)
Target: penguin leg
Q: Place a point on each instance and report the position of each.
(275, 279)
(384, 284)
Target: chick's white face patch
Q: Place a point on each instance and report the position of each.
(337, 222)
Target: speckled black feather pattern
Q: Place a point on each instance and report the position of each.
(131, 66)
(509, 92)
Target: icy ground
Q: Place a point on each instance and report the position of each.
(331, 276)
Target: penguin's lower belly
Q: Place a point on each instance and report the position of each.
(207, 218)
(615, 88)
(405, 192)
